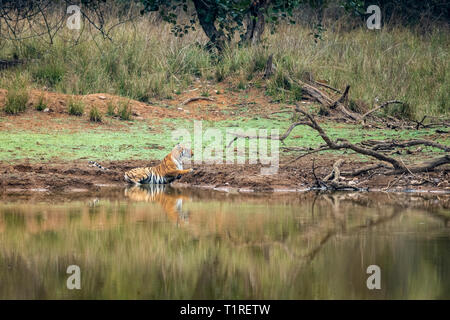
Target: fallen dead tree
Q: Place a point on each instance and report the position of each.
(315, 91)
(396, 166)
(388, 145)
(385, 104)
(387, 165)
(196, 99)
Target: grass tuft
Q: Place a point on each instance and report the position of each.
(41, 105)
(95, 115)
(16, 100)
(125, 111)
(75, 107)
(111, 109)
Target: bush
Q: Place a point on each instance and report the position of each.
(75, 108)
(41, 106)
(111, 110)
(16, 100)
(125, 111)
(95, 115)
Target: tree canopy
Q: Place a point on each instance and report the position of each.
(222, 19)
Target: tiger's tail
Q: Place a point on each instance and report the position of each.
(96, 164)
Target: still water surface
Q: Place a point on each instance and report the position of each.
(197, 244)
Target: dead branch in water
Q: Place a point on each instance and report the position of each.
(372, 148)
(347, 145)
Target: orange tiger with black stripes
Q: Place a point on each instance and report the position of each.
(170, 168)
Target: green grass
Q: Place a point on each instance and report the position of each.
(136, 141)
(145, 62)
(97, 144)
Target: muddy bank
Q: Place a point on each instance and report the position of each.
(79, 176)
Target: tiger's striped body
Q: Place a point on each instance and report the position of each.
(170, 168)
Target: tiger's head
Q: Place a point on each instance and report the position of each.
(180, 151)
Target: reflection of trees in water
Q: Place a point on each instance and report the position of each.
(319, 229)
(322, 228)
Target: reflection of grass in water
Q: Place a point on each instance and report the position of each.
(228, 250)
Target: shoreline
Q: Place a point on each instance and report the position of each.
(79, 177)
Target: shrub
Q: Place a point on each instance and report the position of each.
(41, 106)
(75, 108)
(297, 93)
(111, 110)
(95, 115)
(125, 111)
(16, 100)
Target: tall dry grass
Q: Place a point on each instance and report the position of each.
(145, 61)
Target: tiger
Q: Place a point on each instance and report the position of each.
(170, 168)
(170, 201)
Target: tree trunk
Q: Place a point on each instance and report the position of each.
(255, 22)
(207, 14)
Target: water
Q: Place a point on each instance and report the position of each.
(198, 244)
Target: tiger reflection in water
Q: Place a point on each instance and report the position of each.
(166, 196)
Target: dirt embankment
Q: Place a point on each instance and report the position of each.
(80, 176)
(189, 104)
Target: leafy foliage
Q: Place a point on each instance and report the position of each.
(222, 19)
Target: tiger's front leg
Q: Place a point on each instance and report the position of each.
(178, 172)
